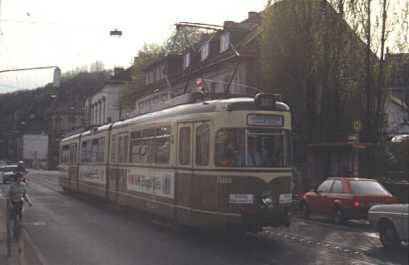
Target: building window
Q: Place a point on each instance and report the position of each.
(186, 60)
(224, 41)
(204, 51)
(72, 119)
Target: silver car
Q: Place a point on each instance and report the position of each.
(391, 221)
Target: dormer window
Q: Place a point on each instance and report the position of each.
(204, 51)
(186, 60)
(224, 41)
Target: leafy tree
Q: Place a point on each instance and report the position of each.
(147, 55)
(183, 38)
(310, 55)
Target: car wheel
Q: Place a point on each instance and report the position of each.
(305, 210)
(339, 217)
(389, 237)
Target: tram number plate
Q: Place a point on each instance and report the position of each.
(285, 198)
(224, 180)
(241, 198)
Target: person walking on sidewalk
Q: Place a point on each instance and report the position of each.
(17, 194)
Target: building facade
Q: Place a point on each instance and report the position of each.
(396, 103)
(33, 149)
(103, 106)
(223, 64)
(61, 122)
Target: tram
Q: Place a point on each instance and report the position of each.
(211, 164)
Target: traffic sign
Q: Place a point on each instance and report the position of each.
(357, 126)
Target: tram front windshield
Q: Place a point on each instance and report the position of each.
(246, 147)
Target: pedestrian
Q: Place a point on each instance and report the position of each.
(20, 168)
(17, 194)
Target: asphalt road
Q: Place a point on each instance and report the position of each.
(77, 230)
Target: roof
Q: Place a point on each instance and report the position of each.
(232, 104)
(398, 101)
(161, 60)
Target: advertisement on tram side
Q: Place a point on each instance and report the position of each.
(159, 183)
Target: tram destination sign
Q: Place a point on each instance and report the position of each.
(265, 120)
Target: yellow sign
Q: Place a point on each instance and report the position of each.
(357, 126)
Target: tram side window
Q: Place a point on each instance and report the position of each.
(150, 146)
(184, 146)
(163, 150)
(75, 153)
(230, 147)
(123, 141)
(65, 154)
(113, 149)
(85, 151)
(72, 153)
(202, 144)
(97, 150)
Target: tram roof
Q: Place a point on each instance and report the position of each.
(219, 105)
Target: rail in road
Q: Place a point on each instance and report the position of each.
(116, 236)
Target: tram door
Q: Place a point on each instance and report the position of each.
(184, 172)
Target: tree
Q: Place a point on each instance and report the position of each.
(311, 56)
(182, 38)
(147, 55)
(380, 24)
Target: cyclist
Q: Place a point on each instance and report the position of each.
(17, 194)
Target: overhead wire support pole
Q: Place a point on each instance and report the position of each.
(28, 69)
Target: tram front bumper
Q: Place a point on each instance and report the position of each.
(268, 216)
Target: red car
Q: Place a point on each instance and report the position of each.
(344, 198)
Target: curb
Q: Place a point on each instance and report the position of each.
(28, 252)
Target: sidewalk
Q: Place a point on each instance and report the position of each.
(4, 260)
(3, 241)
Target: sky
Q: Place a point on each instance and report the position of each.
(73, 33)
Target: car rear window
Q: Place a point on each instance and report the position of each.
(367, 187)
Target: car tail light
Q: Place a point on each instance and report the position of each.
(356, 202)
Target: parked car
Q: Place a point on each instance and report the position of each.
(391, 222)
(344, 198)
(8, 173)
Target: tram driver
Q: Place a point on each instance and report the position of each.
(255, 156)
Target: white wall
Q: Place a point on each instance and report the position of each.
(35, 146)
(396, 114)
(108, 99)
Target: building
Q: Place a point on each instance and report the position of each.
(62, 121)
(224, 63)
(103, 106)
(33, 149)
(396, 104)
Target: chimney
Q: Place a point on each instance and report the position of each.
(228, 24)
(252, 14)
